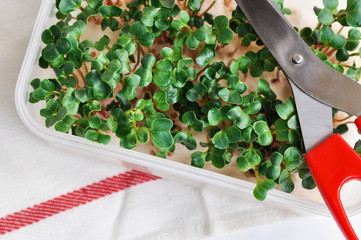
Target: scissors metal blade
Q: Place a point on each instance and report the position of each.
(311, 75)
(315, 119)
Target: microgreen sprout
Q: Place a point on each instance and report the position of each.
(151, 77)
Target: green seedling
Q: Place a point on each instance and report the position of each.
(151, 77)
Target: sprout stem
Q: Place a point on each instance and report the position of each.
(141, 49)
(343, 119)
(138, 60)
(355, 54)
(256, 172)
(85, 68)
(81, 75)
(77, 80)
(184, 4)
(339, 31)
(201, 71)
(331, 52)
(205, 11)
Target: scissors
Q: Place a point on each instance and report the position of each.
(317, 88)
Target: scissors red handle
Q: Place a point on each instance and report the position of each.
(332, 164)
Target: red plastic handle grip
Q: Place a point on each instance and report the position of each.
(332, 164)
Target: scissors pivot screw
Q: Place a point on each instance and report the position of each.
(297, 58)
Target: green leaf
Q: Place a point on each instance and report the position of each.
(192, 40)
(160, 134)
(186, 139)
(264, 88)
(216, 156)
(286, 182)
(81, 96)
(292, 157)
(101, 89)
(273, 171)
(166, 52)
(243, 120)
(262, 187)
(167, 3)
(65, 125)
(160, 100)
(338, 41)
(286, 110)
(70, 102)
(145, 71)
(163, 73)
(120, 55)
(184, 62)
(95, 136)
(241, 64)
(248, 160)
(264, 133)
(111, 72)
(234, 113)
(196, 92)
(342, 55)
(127, 43)
(162, 19)
(354, 34)
(90, 107)
(225, 35)
(206, 55)
(190, 119)
(149, 15)
(281, 130)
(293, 122)
(222, 138)
(142, 135)
(51, 120)
(47, 37)
(177, 24)
(330, 4)
(94, 4)
(194, 5)
(198, 159)
(184, 17)
(326, 17)
(341, 129)
(144, 37)
(50, 53)
(110, 11)
(256, 69)
(67, 6)
(76, 30)
(308, 183)
(353, 13)
(63, 46)
(230, 96)
(94, 122)
(326, 35)
(221, 22)
(130, 84)
(52, 107)
(102, 43)
(214, 116)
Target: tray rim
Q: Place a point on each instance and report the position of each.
(157, 165)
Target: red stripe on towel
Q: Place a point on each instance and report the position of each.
(73, 199)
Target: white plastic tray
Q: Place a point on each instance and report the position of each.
(29, 113)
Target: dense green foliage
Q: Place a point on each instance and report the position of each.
(121, 87)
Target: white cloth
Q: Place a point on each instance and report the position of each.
(33, 171)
